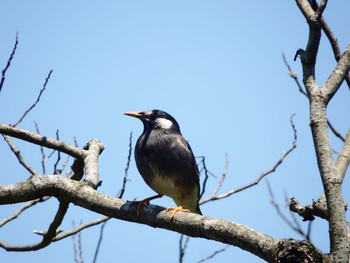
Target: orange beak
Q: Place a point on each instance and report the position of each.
(133, 114)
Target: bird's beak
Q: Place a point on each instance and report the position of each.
(133, 114)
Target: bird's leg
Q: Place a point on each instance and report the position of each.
(145, 202)
(176, 209)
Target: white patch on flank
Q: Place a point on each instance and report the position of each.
(163, 123)
(164, 185)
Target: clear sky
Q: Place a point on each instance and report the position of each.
(216, 66)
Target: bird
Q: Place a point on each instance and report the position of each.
(166, 162)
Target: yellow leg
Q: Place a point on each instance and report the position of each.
(176, 209)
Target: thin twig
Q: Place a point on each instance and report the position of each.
(80, 247)
(294, 76)
(126, 170)
(99, 241)
(8, 63)
(206, 176)
(47, 236)
(22, 209)
(308, 233)
(261, 176)
(77, 249)
(293, 224)
(204, 168)
(36, 102)
(64, 164)
(183, 242)
(335, 131)
(215, 253)
(222, 178)
(58, 156)
(279, 211)
(43, 155)
(79, 228)
(19, 156)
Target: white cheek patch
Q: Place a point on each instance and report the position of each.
(163, 123)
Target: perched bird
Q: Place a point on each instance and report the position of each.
(166, 162)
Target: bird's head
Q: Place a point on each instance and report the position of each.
(155, 119)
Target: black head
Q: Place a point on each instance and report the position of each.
(156, 119)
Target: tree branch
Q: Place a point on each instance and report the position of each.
(294, 76)
(36, 102)
(331, 38)
(318, 208)
(189, 224)
(92, 151)
(319, 99)
(343, 160)
(294, 225)
(338, 75)
(261, 176)
(8, 63)
(47, 235)
(89, 155)
(41, 140)
(214, 254)
(19, 156)
(308, 56)
(22, 209)
(42, 150)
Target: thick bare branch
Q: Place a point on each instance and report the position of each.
(308, 56)
(318, 208)
(92, 152)
(104, 220)
(319, 99)
(41, 140)
(338, 75)
(320, 9)
(331, 37)
(343, 160)
(190, 224)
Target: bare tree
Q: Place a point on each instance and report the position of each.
(72, 188)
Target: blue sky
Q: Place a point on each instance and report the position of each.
(216, 66)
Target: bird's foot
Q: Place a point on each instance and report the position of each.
(144, 202)
(176, 209)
